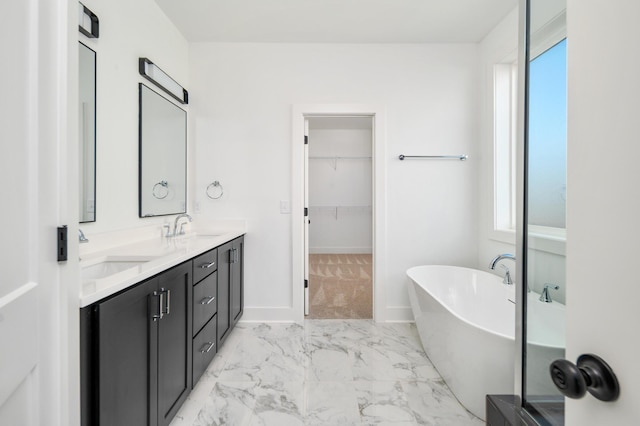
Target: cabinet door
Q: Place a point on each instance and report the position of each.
(224, 275)
(174, 341)
(123, 325)
(237, 280)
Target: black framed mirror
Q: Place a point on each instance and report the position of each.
(162, 155)
(87, 133)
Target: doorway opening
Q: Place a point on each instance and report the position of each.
(300, 204)
(339, 228)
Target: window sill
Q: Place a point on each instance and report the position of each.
(551, 240)
(541, 238)
(507, 236)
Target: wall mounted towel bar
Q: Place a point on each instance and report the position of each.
(462, 157)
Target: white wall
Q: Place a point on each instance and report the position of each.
(128, 30)
(340, 189)
(242, 97)
(546, 257)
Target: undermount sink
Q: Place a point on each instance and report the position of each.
(111, 265)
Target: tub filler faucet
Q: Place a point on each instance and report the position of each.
(507, 275)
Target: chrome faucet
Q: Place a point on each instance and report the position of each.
(546, 296)
(81, 236)
(507, 276)
(175, 224)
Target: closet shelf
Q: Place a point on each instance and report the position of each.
(336, 158)
(342, 209)
(339, 158)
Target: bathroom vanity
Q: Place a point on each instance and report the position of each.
(150, 328)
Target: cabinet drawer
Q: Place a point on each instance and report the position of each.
(205, 303)
(205, 264)
(204, 348)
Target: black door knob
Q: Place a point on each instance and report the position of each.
(589, 374)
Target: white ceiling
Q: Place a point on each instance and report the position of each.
(336, 21)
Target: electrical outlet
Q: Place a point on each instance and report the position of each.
(196, 206)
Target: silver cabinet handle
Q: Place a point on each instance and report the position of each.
(160, 303)
(207, 347)
(166, 306)
(207, 300)
(208, 265)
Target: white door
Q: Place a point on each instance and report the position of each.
(603, 206)
(306, 216)
(32, 36)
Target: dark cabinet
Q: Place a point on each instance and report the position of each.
(230, 286)
(137, 352)
(205, 301)
(173, 342)
(141, 350)
(205, 307)
(204, 348)
(236, 284)
(123, 350)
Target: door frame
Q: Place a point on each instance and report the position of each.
(379, 217)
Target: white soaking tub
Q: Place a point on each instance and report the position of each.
(466, 321)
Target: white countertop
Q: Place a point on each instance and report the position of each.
(158, 254)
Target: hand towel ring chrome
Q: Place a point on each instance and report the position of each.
(215, 184)
(158, 192)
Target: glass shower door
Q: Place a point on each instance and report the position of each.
(544, 209)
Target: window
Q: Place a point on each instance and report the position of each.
(547, 143)
(505, 120)
(548, 137)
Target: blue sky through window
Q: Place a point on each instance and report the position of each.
(548, 137)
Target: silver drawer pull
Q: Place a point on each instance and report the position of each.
(207, 347)
(207, 300)
(208, 265)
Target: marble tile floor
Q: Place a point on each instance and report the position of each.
(323, 372)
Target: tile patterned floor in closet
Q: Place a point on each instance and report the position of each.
(325, 372)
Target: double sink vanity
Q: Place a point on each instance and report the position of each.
(154, 308)
(153, 315)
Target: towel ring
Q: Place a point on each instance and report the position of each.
(215, 184)
(158, 191)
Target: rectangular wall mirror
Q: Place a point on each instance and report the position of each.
(87, 134)
(163, 155)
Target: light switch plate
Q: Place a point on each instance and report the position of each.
(285, 207)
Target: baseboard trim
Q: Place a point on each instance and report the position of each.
(269, 314)
(398, 314)
(289, 315)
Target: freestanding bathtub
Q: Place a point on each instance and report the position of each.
(467, 327)
(466, 321)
